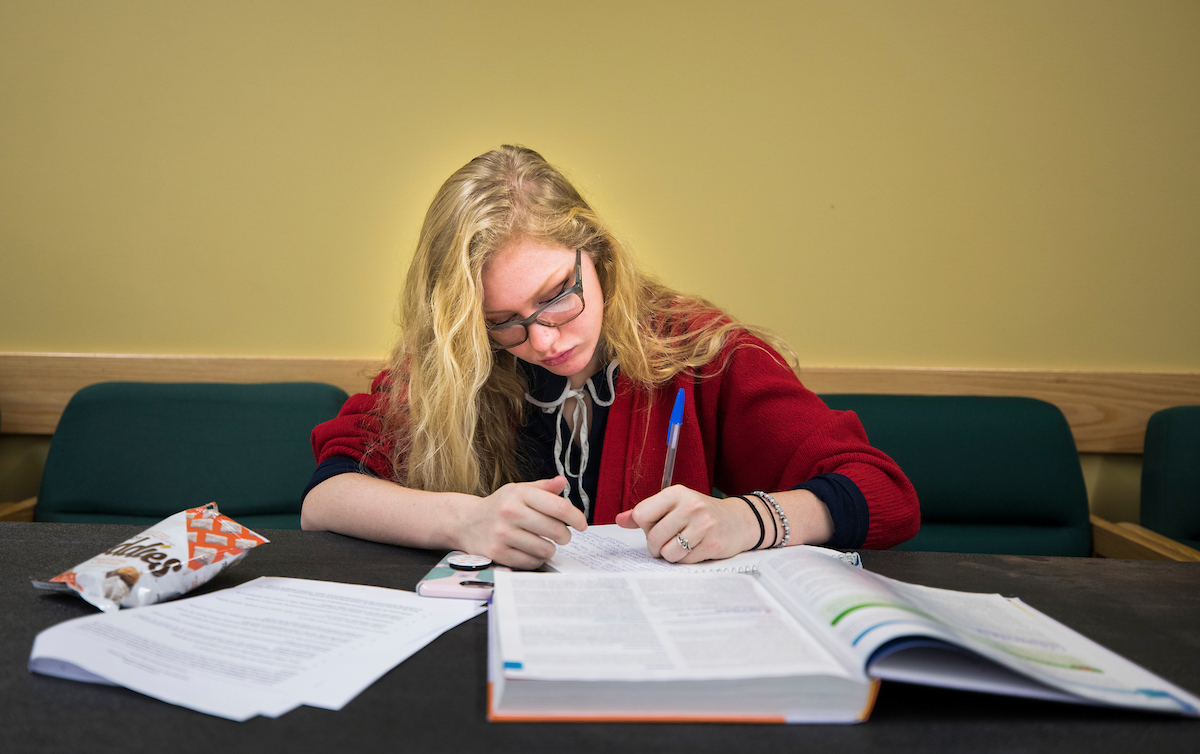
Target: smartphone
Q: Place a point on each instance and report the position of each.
(460, 576)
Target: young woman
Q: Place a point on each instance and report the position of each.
(532, 387)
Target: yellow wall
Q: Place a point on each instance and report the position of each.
(890, 183)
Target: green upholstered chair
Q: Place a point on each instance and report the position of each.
(1171, 475)
(996, 475)
(136, 452)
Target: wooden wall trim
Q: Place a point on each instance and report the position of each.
(35, 387)
(1107, 410)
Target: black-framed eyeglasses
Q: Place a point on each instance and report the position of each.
(556, 312)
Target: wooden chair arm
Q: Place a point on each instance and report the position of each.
(22, 511)
(1133, 542)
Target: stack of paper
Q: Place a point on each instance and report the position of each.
(612, 549)
(262, 648)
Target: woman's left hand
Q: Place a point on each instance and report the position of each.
(713, 528)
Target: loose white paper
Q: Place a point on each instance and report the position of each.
(261, 648)
(610, 548)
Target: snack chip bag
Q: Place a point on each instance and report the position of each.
(173, 557)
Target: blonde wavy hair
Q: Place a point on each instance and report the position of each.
(455, 403)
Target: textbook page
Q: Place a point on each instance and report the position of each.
(613, 549)
(1015, 635)
(263, 647)
(647, 626)
(861, 608)
(868, 611)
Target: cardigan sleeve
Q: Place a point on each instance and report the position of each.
(357, 431)
(776, 434)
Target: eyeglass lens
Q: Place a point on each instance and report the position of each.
(557, 312)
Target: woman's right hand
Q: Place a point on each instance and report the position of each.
(518, 524)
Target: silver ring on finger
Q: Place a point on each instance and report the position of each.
(683, 542)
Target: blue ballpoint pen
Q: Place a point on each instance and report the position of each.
(673, 439)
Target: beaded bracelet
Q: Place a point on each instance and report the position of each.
(762, 529)
(787, 531)
(774, 525)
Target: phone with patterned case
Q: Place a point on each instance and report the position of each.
(460, 576)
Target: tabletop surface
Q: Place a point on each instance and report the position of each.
(435, 701)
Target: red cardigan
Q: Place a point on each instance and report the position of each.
(750, 425)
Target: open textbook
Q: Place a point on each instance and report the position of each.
(807, 639)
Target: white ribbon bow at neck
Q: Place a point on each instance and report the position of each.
(562, 458)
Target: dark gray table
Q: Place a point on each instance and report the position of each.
(434, 701)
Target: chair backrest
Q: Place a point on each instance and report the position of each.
(996, 475)
(136, 452)
(1171, 474)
